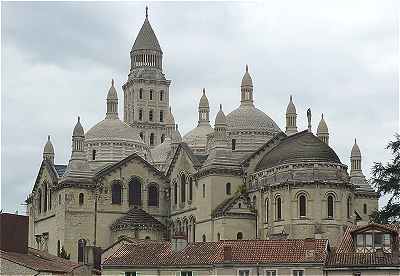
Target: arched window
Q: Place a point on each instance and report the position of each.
(81, 198)
(40, 200)
(151, 95)
(45, 198)
(49, 199)
(190, 189)
(161, 95)
(330, 206)
(58, 248)
(348, 207)
(254, 200)
(204, 190)
(142, 136)
(162, 138)
(93, 154)
(135, 192)
(183, 188)
(204, 237)
(176, 193)
(151, 115)
(141, 93)
(365, 208)
(233, 144)
(147, 238)
(140, 114)
(239, 236)
(218, 237)
(151, 139)
(228, 188)
(161, 116)
(116, 193)
(153, 195)
(266, 211)
(278, 206)
(81, 250)
(302, 206)
(59, 199)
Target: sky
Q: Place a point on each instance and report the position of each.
(339, 58)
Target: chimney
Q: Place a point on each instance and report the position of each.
(227, 253)
(14, 233)
(179, 242)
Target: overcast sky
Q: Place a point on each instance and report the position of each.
(337, 57)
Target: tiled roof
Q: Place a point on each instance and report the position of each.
(345, 254)
(136, 217)
(60, 169)
(159, 253)
(40, 261)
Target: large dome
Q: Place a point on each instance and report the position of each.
(197, 137)
(113, 129)
(250, 118)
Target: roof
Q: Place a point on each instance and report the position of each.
(224, 208)
(197, 137)
(146, 39)
(355, 151)
(203, 100)
(220, 119)
(345, 254)
(246, 80)
(112, 93)
(159, 253)
(48, 148)
(136, 217)
(40, 261)
(78, 129)
(161, 152)
(60, 169)
(322, 126)
(291, 109)
(299, 147)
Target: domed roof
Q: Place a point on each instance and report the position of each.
(78, 129)
(197, 137)
(291, 109)
(220, 119)
(355, 151)
(161, 152)
(322, 127)
(113, 129)
(300, 147)
(146, 39)
(246, 80)
(203, 100)
(48, 148)
(248, 117)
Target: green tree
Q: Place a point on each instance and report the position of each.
(63, 253)
(386, 178)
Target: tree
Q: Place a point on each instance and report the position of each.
(63, 253)
(386, 178)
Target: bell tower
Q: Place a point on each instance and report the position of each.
(146, 92)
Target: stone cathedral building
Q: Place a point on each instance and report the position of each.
(238, 176)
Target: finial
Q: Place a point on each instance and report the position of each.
(79, 119)
(176, 126)
(220, 107)
(309, 119)
(355, 140)
(112, 82)
(322, 115)
(147, 12)
(291, 97)
(48, 137)
(204, 91)
(247, 68)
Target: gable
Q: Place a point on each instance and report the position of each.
(237, 205)
(47, 173)
(183, 160)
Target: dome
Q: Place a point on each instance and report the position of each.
(78, 129)
(291, 109)
(247, 81)
(48, 148)
(203, 100)
(220, 119)
(322, 127)
(161, 152)
(197, 137)
(248, 117)
(113, 129)
(300, 147)
(355, 151)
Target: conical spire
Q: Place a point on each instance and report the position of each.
(355, 151)
(204, 110)
(146, 38)
(78, 129)
(246, 88)
(220, 119)
(112, 102)
(48, 151)
(322, 130)
(356, 175)
(291, 118)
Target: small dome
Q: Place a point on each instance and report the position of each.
(176, 135)
(78, 129)
(161, 152)
(48, 148)
(247, 81)
(113, 129)
(112, 93)
(355, 151)
(298, 148)
(322, 127)
(203, 100)
(250, 118)
(220, 119)
(291, 109)
(169, 118)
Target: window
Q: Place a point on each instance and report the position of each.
(239, 236)
(50, 199)
(218, 237)
(161, 116)
(244, 272)
(298, 272)
(266, 211)
(140, 114)
(183, 188)
(162, 138)
(186, 273)
(45, 198)
(81, 198)
(40, 200)
(228, 188)
(141, 93)
(131, 273)
(81, 250)
(116, 193)
(254, 200)
(59, 199)
(302, 206)
(147, 238)
(233, 144)
(151, 115)
(58, 248)
(348, 207)
(151, 95)
(161, 95)
(371, 241)
(278, 206)
(270, 273)
(176, 193)
(135, 192)
(142, 136)
(330, 206)
(93, 154)
(190, 189)
(204, 237)
(151, 139)
(204, 190)
(365, 208)
(153, 195)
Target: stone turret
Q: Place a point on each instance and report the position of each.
(322, 131)
(246, 89)
(204, 110)
(48, 151)
(291, 118)
(112, 102)
(169, 123)
(355, 160)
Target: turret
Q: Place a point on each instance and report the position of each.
(204, 109)
(48, 151)
(220, 127)
(322, 131)
(355, 160)
(112, 102)
(246, 89)
(170, 123)
(291, 118)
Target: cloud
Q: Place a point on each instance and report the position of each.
(339, 58)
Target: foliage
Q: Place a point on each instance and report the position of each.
(242, 189)
(386, 178)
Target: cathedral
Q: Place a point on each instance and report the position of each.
(236, 176)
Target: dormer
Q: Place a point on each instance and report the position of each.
(375, 238)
